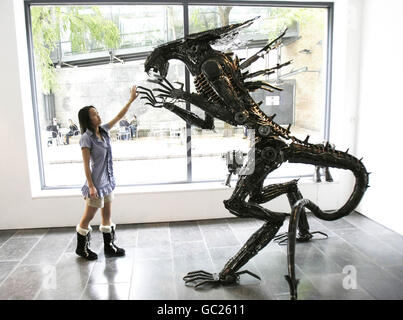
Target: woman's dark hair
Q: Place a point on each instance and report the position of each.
(84, 119)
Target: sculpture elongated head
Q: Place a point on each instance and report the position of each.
(190, 48)
(157, 62)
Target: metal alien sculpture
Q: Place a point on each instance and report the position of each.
(223, 92)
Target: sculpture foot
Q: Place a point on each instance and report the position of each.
(282, 239)
(200, 278)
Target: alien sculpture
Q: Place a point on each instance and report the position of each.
(223, 92)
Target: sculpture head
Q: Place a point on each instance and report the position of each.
(191, 48)
(157, 62)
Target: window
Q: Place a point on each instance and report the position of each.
(92, 54)
(302, 101)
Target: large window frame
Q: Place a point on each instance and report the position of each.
(138, 56)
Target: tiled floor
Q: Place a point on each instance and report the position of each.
(41, 263)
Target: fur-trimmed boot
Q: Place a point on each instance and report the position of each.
(110, 249)
(83, 243)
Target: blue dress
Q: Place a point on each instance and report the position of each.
(100, 161)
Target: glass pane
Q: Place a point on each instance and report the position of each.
(154, 150)
(302, 101)
(123, 29)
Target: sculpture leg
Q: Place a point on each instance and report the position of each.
(270, 192)
(292, 230)
(304, 234)
(303, 226)
(237, 206)
(316, 175)
(254, 244)
(328, 176)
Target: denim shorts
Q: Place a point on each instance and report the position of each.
(99, 202)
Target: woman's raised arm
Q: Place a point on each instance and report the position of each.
(121, 114)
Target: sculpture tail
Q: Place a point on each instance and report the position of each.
(325, 156)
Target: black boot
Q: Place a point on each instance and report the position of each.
(83, 243)
(110, 249)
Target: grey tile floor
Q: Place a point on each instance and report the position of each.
(360, 260)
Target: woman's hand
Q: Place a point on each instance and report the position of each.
(93, 192)
(133, 94)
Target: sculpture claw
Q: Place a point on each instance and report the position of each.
(161, 90)
(282, 239)
(181, 85)
(201, 277)
(149, 95)
(320, 232)
(166, 89)
(250, 273)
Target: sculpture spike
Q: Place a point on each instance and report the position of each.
(288, 128)
(272, 117)
(267, 89)
(306, 139)
(361, 159)
(347, 151)
(260, 103)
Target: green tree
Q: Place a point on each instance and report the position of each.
(84, 26)
(277, 19)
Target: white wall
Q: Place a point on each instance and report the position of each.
(23, 205)
(381, 110)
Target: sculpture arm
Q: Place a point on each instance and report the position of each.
(190, 117)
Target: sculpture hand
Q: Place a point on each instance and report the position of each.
(167, 90)
(149, 95)
(152, 100)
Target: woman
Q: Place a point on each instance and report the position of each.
(98, 189)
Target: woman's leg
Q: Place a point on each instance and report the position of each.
(84, 234)
(106, 214)
(108, 231)
(89, 214)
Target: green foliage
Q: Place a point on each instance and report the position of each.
(85, 27)
(278, 19)
(273, 20)
(202, 19)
